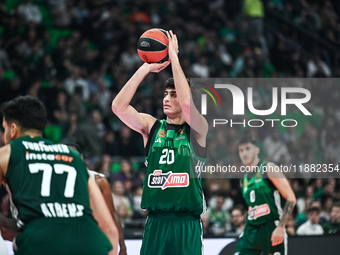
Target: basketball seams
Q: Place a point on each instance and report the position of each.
(158, 34)
(151, 57)
(152, 46)
(163, 31)
(155, 51)
(154, 40)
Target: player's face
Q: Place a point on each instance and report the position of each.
(248, 153)
(170, 102)
(7, 133)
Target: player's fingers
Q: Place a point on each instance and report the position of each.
(164, 65)
(274, 241)
(161, 66)
(170, 36)
(278, 241)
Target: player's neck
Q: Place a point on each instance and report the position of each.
(31, 133)
(178, 120)
(254, 163)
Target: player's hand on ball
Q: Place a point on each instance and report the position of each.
(278, 235)
(173, 45)
(157, 67)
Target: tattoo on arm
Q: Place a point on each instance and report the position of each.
(289, 206)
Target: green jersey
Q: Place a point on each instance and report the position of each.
(172, 183)
(46, 180)
(263, 199)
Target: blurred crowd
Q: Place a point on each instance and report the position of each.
(75, 55)
(317, 211)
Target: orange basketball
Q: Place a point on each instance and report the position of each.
(152, 46)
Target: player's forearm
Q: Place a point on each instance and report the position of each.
(110, 230)
(181, 84)
(288, 209)
(120, 230)
(112, 233)
(124, 97)
(8, 227)
(102, 215)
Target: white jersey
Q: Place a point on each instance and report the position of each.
(93, 174)
(3, 247)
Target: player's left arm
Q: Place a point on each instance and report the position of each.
(5, 153)
(8, 226)
(104, 187)
(191, 115)
(281, 183)
(102, 215)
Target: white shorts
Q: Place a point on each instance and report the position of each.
(3, 247)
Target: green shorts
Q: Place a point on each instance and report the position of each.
(255, 239)
(172, 233)
(62, 236)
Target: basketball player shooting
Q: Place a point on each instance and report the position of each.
(173, 225)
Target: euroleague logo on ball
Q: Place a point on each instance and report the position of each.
(144, 44)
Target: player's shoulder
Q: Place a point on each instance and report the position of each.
(5, 153)
(269, 163)
(149, 120)
(5, 149)
(273, 171)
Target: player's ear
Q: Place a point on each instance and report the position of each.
(15, 131)
(257, 150)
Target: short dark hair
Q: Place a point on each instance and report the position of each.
(27, 111)
(170, 84)
(247, 139)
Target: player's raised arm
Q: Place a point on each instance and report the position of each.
(139, 122)
(283, 186)
(191, 115)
